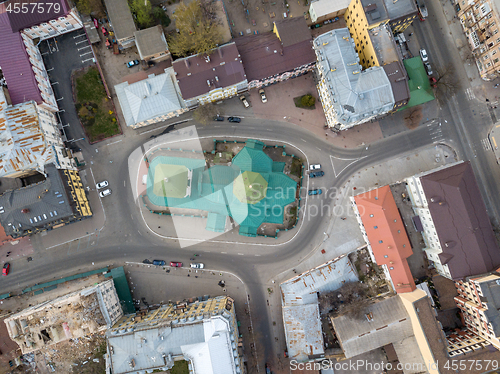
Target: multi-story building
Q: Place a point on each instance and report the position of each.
(77, 314)
(479, 302)
(210, 78)
(452, 216)
(480, 21)
(322, 10)
(204, 333)
(349, 95)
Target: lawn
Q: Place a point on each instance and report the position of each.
(95, 110)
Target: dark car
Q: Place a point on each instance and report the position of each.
(218, 118)
(234, 119)
(6, 269)
(315, 191)
(176, 264)
(132, 63)
(315, 174)
(158, 262)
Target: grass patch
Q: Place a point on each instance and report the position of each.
(94, 109)
(180, 367)
(306, 101)
(296, 168)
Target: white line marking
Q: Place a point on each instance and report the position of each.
(86, 53)
(78, 36)
(118, 141)
(241, 254)
(303, 140)
(224, 252)
(87, 46)
(80, 42)
(318, 148)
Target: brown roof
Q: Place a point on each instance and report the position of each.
(263, 55)
(292, 31)
(222, 69)
(461, 221)
(399, 81)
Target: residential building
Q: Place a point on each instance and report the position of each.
(56, 201)
(210, 78)
(299, 300)
(480, 21)
(479, 302)
(204, 333)
(120, 17)
(151, 100)
(29, 139)
(401, 14)
(323, 10)
(395, 321)
(72, 316)
(457, 232)
(349, 95)
(278, 56)
(151, 44)
(385, 234)
(399, 83)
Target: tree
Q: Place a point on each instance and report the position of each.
(199, 29)
(205, 113)
(159, 15)
(446, 84)
(143, 12)
(91, 7)
(307, 100)
(413, 118)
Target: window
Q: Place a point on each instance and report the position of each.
(67, 23)
(375, 227)
(380, 241)
(44, 24)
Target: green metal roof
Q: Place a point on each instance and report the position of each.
(216, 222)
(122, 289)
(253, 160)
(420, 88)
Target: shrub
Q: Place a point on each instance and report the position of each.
(308, 100)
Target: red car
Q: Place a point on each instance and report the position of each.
(176, 264)
(104, 31)
(6, 268)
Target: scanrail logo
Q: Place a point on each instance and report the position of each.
(363, 365)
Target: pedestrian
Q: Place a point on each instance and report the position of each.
(410, 34)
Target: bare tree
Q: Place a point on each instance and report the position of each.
(412, 120)
(205, 113)
(446, 82)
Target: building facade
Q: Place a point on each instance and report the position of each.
(58, 26)
(480, 21)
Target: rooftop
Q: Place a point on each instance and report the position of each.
(355, 93)
(387, 235)
(292, 30)
(150, 41)
(23, 20)
(418, 83)
(149, 98)
(323, 7)
(399, 81)
(399, 8)
(384, 44)
(264, 56)
(461, 220)
(375, 11)
(121, 18)
(15, 64)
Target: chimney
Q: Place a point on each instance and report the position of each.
(186, 61)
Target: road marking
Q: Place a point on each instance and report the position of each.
(224, 252)
(241, 254)
(78, 36)
(257, 255)
(303, 140)
(60, 99)
(118, 141)
(470, 94)
(318, 148)
(216, 126)
(80, 42)
(45, 53)
(269, 129)
(353, 160)
(123, 183)
(87, 46)
(89, 59)
(139, 232)
(86, 53)
(486, 144)
(54, 83)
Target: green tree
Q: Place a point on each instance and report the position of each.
(199, 29)
(143, 11)
(89, 7)
(307, 100)
(205, 113)
(159, 14)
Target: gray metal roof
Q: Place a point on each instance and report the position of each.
(150, 41)
(147, 99)
(303, 331)
(400, 8)
(323, 7)
(354, 93)
(47, 202)
(390, 323)
(120, 18)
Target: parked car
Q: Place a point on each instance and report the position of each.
(105, 193)
(234, 119)
(315, 191)
(159, 262)
(423, 55)
(197, 265)
(428, 68)
(244, 101)
(102, 185)
(132, 63)
(6, 268)
(176, 264)
(315, 174)
(218, 118)
(263, 95)
(104, 31)
(315, 167)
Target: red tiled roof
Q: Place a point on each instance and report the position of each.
(223, 69)
(387, 236)
(15, 64)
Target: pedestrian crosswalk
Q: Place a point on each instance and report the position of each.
(486, 144)
(435, 130)
(470, 94)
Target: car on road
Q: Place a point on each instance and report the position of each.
(423, 55)
(315, 191)
(6, 268)
(262, 96)
(234, 119)
(197, 265)
(159, 262)
(218, 118)
(244, 101)
(315, 167)
(176, 264)
(105, 193)
(132, 63)
(315, 174)
(428, 68)
(102, 184)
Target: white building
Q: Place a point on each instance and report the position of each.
(349, 95)
(322, 10)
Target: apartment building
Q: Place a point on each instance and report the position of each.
(480, 21)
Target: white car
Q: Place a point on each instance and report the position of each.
(102, 185)
(105, 193)
(315, 167)
(262, 96)
(197, 265)
(423, 55)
